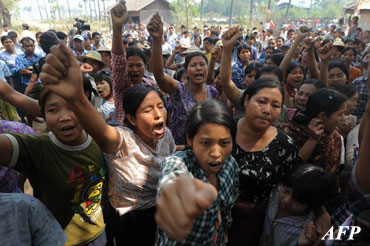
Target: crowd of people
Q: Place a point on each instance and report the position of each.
(226, 137)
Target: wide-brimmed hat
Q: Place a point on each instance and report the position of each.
(338, 42)
(91, 54)
(192, 49)
(103, 49)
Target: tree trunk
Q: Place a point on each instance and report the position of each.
(96, 15)
(231, 13)
(46, 10)
(251, 13)
(269, 6)
(287, 9)
(91, 15)
(60, 16)
(69, 10)
(99, 11)
(187, 13)
(201, 11)
(5, 13)
(38, 6)
(87, 12)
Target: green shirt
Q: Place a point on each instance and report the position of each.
(69, 180)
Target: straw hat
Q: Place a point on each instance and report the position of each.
(192, 49)
(103, 48)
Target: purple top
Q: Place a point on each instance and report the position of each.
(9, 177)
(181, 105)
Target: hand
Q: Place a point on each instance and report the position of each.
(61, 73)
(308, 235)
(309, 43)
(315, 129)
(215, 51)
(180, 203)
(302, 32)
(230, 37)
(155, 27)
(119, 13)
(86, 68)
(326, 51)
(177, 49)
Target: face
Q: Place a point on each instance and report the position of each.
(244, 55)
(87, 43)
(212, 144)
(263, 108)
(8, 45)
(302, 95)
(349, 44)
(61, 121)
(272, 43)
(197, 41)
(348, 57)
(304, 55)
(249, 78)
(95, 65)
(104, 89)
(351, 104)
(97, 39)
(105, 56)
(135, 68)
(279, 43)
(197, 70)
(336, 53)
(291, 35)
(78, 44)
(150, 119)
(269, 75)
(269, 62)
(336, 76)
(330, 123)
(295, 77)
(268, 52)
(130, 39)
(288, 203)
(29, 47)
(207, 46)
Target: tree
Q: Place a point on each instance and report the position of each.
(231, 13)
(69, 10)
(287, 9)
(5, 7)
(184, 12)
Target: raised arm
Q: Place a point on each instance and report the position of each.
(325, 56)
(363, 168)
(301, 34)
(61, 74)
(311, 63)
(211, 64)
(169, 63)
(165, 82)
(316, 128)
(228, 39)
(119, 16)
(19, 100)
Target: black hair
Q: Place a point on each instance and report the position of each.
(292, 65)
(241, 47)
(148, 53)
(27, 39)
(315, 82)
(189, 56)
(214, 33)
(290, 30)
(61, 35)
(210, 111)
(26, 26)
(277, 51)
(178, 74)
(12, 34)
(347, 90)
(269, 48)
(134, 51)
(133, 97)
(280, 38)
(215, 40)
(254, 66)
(258, 85)
(104, 74)
(324, 100)
(95, 34)
(349, 40)
(339, 64)
(198, 36)
(47, 40)
(349, 48)
(87, 86)
(276, 58)
(250, 37)
(5, 25)
(3, 38)
(209, 39)
(311, 185)
(124, 41)
(271, 69)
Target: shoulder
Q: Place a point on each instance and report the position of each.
(360, 81)
(283, 139)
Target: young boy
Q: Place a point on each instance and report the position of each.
(66, 170)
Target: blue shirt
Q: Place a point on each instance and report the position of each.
(9, 60)
(363, 95)
(4, 71)
(238, 74)
(22, 62)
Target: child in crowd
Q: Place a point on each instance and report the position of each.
(210, 131)
(66, 170)
(295, 204)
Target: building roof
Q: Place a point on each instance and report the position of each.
(363, 4)
(296, 3)
(135, 5)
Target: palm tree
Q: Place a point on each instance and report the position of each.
(69, 10)
(269, 6)
(287, 9)
(46, 10)
(251, 13)
(231, 13)
(38, 6)
(201, 11)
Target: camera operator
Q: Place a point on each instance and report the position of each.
(78, 45)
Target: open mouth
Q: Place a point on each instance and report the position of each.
(159, 128)
(214, 164)
(68, 129)
(198, 76)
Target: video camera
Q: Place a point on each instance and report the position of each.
(81, 26)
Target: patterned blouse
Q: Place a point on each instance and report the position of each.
(204, 228)
(181, 105)
(238, 74)
(260, 171)
(134, 171)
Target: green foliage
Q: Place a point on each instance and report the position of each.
(178, 12)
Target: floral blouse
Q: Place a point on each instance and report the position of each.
(260, 171)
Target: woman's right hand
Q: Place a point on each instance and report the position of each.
(315, 129)
(326, 51)
(302, 32)
(177, 49)
(119, 13)
(230, 37)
